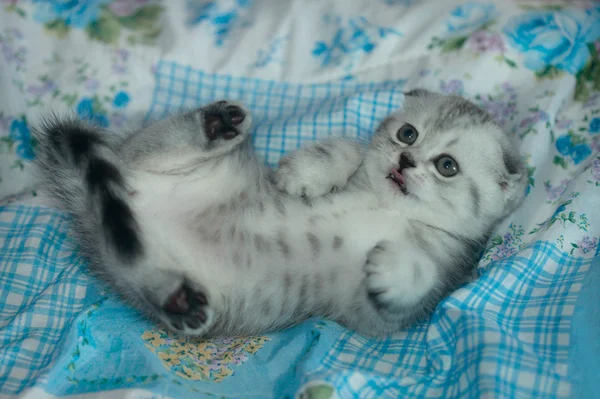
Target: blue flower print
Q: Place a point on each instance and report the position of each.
(121, 99)
(554, 38)
(470, 17)
(75, 13)
(358, 37)
(580, 152)
(577, 152)
(563, 145)
(20, 133)
(86, 109)
(101, 120)
(224, 21)
(274, 54)
(595, 126)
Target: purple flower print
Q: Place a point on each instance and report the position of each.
(596, 144)
(13, 55)
(587, 244)
(123, 54)
(503, 251)
(124, 8)
(40, 90)
(596, 169)
(529, 122)
(564, 123)
(452, 87)
(533, 119)
(502, 107)
(592, 101)
(91, 84)
(119, 69)
(553, 193)
(508, 239)
(509, 90)
(118, 120)
(119, 64)
(499, 111)
(484, 42)
(4, 120)
(16, 33)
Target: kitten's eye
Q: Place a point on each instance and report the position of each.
(446, 165)
(407, 134)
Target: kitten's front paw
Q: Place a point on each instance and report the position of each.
(187, 311)
(302, 179)
(397, 276)
(319, 168)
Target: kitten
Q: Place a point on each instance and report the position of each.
(190, 227)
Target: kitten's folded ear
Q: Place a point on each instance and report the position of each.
(513, 181)
(417, 93)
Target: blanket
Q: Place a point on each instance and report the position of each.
(527, 326)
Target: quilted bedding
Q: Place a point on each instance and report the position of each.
(526, 327)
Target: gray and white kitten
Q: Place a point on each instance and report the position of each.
(192, 229)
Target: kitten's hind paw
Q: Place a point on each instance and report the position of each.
(187, 311)
(225, 120)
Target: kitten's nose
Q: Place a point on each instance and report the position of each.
(406, 161)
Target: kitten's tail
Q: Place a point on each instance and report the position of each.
(78, 167)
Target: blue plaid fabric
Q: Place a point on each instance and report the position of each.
(506, 334)
(42, 289)
(285, 115)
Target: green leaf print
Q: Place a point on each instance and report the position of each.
(582, 92)
(510, 62)
(58, 27)
(530, 173)
(149, 36)
(13, 8)
(497, 241)
(318, 392)
(588, 78)
(549, 7)
(106, 29)
(454, 44)
(143, 19)
(560, 161)
(550, 72)
(69, 99)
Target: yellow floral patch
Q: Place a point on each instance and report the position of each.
(198, 360)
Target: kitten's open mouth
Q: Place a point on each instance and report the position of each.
(398, 179)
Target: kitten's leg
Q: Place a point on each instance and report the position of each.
(176, 299)
(85, 173)
(164, 295)
(208, 132)
(318, 168)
